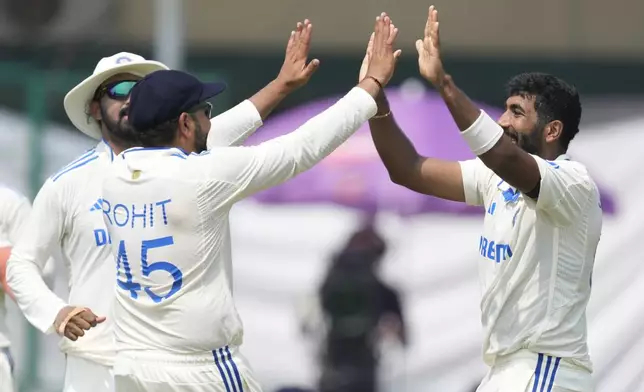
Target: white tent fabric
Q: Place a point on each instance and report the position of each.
(281, 253)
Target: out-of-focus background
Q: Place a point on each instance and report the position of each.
(285, 241)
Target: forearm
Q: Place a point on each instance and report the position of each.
(463, 110)
(321, 135)
(280, 159)
(394, 148)
(507, 160)
(37, 302)
(267, 99)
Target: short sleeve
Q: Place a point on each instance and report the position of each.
(476, 181)
(566, 190)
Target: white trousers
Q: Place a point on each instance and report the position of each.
(6, 370)
(222, 370)
(82, 375)
(525, 371)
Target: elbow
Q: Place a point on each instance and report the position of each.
(399, 179)
(406, 175)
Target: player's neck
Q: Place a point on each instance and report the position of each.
(550, 154)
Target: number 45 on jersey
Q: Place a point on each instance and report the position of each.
(146, 269)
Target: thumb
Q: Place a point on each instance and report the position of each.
(419, 47)
(311, 67)
(100, 319)
(397, 54)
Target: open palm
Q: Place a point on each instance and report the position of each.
(429, 56)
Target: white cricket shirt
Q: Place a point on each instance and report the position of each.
(67, 215)
(167, 214)
(14, 210)
(536, 259)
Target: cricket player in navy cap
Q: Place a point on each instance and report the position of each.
(166, 202)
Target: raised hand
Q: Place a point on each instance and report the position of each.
(381, 56)
(295, 71)
(429, 56)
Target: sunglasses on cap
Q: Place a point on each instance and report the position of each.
(119, 90)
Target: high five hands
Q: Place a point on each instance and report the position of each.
(380, 58)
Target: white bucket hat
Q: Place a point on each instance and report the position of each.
(78, 99)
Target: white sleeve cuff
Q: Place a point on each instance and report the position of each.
(483, 134)
(251, 111)
(362, 98)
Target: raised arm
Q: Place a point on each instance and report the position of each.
(406, 167)
(234, 126)
(484, 136)
(273, 162)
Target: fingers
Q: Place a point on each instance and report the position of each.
(311, 68)
(81, 323)
(305, 37)
(295, 40)
(291, 42)
(429, 20)
(434, 27)
(73, 332)
(88, 317)
(378, 31)
(420, 47)
(393, 33)
(70, 335)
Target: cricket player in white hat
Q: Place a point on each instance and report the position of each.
(67, 214)
(166, 204)
(542, 222)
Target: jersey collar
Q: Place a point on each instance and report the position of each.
(563, 157)
(103, 146)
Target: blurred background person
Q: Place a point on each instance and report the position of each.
(14, 210)
(361, 310)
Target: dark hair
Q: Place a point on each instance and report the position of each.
(161, 135)
(554, 99)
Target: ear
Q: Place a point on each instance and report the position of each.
(553, 131)
(185, 124)
(95, 110)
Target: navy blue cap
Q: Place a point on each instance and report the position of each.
(163, 95)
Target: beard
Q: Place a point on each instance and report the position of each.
(119, 130)
(201, 139)
(527, 141)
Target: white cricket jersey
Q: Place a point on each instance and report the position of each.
(536, 259)
(14, 210)
(167, 214)
(67, 215)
